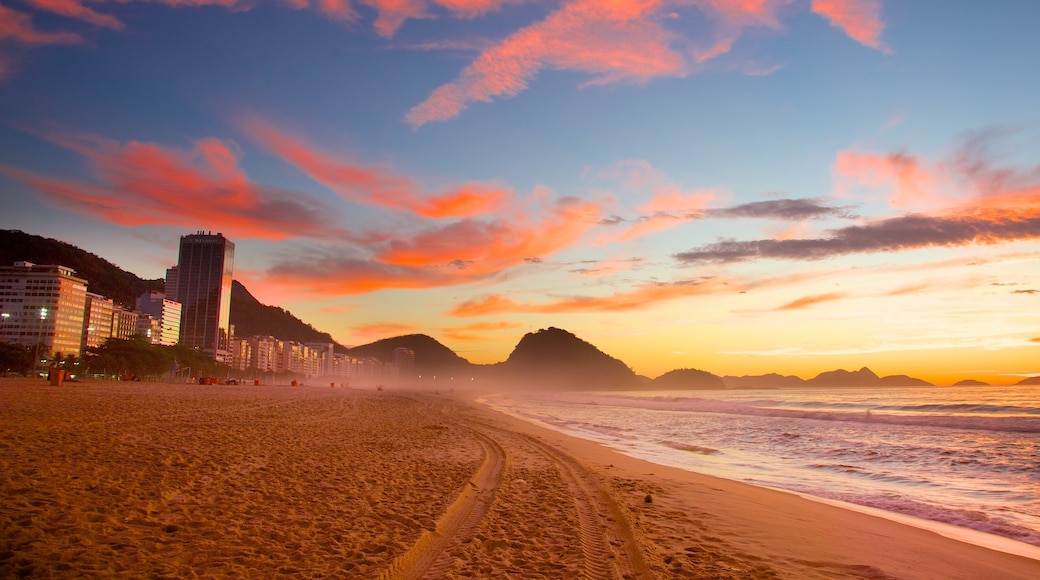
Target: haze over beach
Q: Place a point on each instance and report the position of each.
(743, 187)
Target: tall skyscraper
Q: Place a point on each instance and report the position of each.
(204, 270)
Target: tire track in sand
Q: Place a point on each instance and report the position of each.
(432, 555)
(610, 548)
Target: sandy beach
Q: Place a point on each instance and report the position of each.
(173, 481)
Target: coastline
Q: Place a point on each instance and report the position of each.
(131, 479)
(788, 528)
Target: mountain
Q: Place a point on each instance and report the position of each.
(431, 357)
(555, 358)
(970, 383)
(103, 277)
(251, 318)
(864, 377)
(686, 379)
(1029, 381)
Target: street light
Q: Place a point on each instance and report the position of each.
(39, 335)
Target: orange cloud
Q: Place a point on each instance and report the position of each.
(145, 183)
(617, 302)
(477, 332)
(911, 181)
(382, 329)
(812, 301)
(74, 9)
(860, 19)
(17, 27)
(613, 41)
(377, 186)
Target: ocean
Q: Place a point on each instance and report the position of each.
(965, 456)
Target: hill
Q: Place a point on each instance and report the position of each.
(686, 379)
(1029, 381)
(431, 357)
(251, 318)
(554, 358)
(970, 383)
(864, 377)
(103, 277)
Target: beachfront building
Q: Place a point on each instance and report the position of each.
(403, 368)
(263, 353)
(42, 305)
(240, 354)
(203, 287)
(124, 323)
(324, 353)
(97, 322)
(168, 314)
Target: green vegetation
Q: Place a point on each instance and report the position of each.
(139, 358)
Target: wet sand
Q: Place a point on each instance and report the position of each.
(172, 481)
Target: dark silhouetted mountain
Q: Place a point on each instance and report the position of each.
(103, 277)
(686, 379)
(970, 383)
(767, 381)
(252, 318)
(431, 357)
(555, 358)
(864, 377)
(1029, 381)
(903, 381)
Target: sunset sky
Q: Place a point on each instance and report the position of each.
(740, 186)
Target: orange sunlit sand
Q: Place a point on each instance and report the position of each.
(160, 480)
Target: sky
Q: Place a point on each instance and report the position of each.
(739, 186)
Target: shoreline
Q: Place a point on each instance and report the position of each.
(935, 543)
(959, 533)
(169, 480)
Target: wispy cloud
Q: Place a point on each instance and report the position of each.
(478, 331)
(146, 183)
(75, 9)
(889, 235)
(382, 330)
(374, 185)
(782, 209)
(808, 301)
(860, 19)
(610, 41)
(636, 299)
(466, 250)
(17, 27)
(983, 203)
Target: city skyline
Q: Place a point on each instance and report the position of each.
(786, 186)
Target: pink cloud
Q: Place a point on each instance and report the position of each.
(378, 186)
(74, 9)
(636, 299)
(612, 41)
(145, 183)
(860, 19)
(382, 329)
(910, 180)
(17, 27)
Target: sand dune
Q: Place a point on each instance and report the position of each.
(173, 481)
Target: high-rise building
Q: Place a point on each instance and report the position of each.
(166, 311)
(204, 269)
(42, 305)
